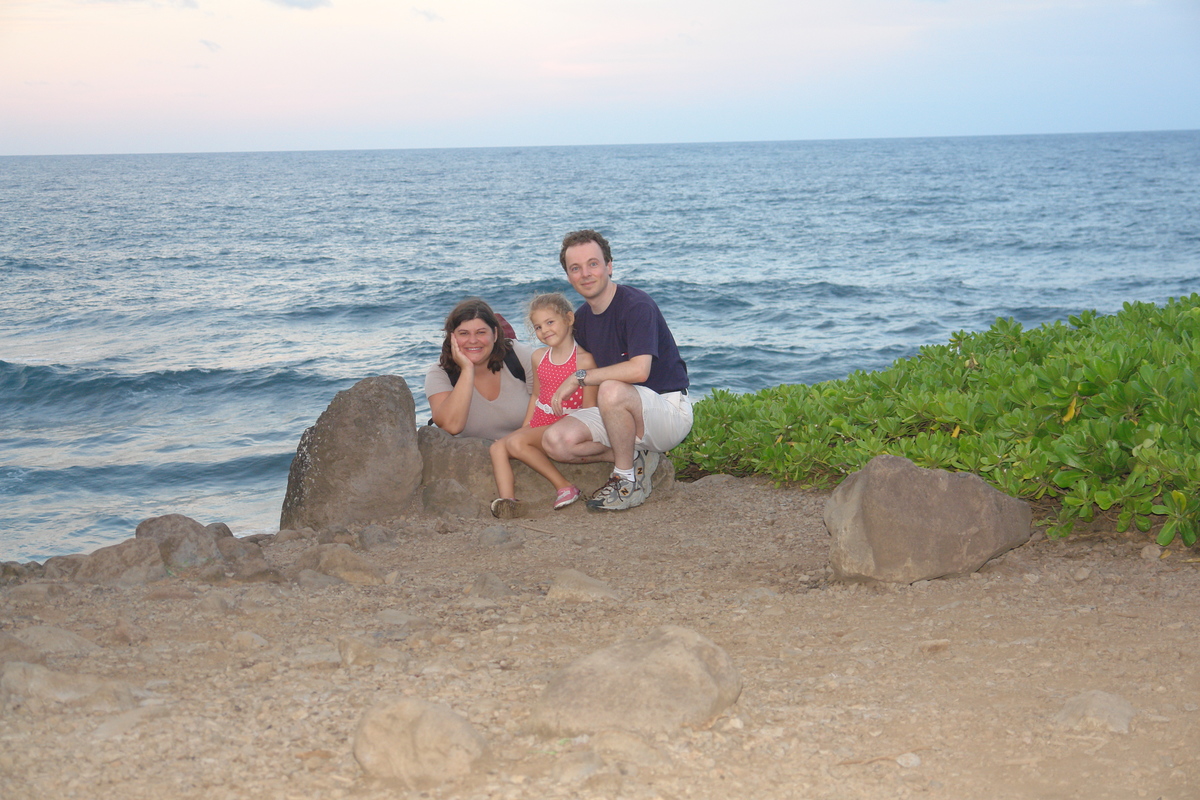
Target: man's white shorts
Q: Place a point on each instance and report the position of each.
(666, 419)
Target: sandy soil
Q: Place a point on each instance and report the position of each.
(944, 689)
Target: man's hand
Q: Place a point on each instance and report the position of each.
(565, 390)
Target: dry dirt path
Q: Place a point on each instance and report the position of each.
(945, 689)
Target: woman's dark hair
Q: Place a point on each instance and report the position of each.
(469, 309)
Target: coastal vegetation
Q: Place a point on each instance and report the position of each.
(1096, 417)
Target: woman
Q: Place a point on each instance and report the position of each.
(473, 389)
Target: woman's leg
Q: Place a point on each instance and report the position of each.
(502, 469)
(525, 445)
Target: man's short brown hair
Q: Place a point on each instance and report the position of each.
(583, 237)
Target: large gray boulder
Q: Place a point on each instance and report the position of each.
(672, 677)
(456, 478)
(359, 462)
(896, 522)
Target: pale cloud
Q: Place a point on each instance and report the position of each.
(427, 15)
(306, 5)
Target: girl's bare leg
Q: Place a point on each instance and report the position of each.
(525, 445)
(502, 469)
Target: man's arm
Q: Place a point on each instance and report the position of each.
(635, 370)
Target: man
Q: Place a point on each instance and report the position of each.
(642, 403)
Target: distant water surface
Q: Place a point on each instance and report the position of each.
(170, 324)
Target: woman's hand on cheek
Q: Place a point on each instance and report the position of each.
(465, 364)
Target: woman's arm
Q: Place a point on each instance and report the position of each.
(450, 409)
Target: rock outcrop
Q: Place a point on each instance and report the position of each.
(366, 461)
(359, 462)
(896, 522)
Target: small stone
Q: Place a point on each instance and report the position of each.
(1082, 574)
(1152, 552)
(421, 743)
(909, 760)
(570, 584)
(1096, 709)
(247, 640)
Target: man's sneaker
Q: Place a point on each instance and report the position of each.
(644, 464)
(617, 495)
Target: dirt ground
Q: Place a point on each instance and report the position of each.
(944, 689)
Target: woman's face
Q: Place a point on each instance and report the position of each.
(475, 340)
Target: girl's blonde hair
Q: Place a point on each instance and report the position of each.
(554, 301)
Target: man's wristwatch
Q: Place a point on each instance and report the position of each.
(581, 376)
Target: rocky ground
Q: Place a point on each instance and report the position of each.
(952, 688)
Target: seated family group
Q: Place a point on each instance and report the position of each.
(609, 385)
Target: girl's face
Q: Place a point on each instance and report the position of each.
(475, 339)
(550, 327)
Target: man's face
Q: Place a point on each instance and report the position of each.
(587, 271)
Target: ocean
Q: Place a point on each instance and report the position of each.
(170, 324)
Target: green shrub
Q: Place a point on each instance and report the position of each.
(1098, 415)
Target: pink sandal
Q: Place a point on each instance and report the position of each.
(565, 497)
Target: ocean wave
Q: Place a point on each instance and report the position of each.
(61, 387)
(166, 478)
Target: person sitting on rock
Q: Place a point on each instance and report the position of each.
(552, 320)
(642, 407)
(480, 385)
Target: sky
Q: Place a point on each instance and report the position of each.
(150, 76)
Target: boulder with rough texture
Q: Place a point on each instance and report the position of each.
(132, 561)
(359, 462)
(457, 477)
(49, 640)
(339, 561)
(896, 522)
(22, 683)
(420, 743)
(183, 542)
(672, 677)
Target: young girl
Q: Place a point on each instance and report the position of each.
(552, 320)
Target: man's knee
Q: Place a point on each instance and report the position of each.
(615, 394)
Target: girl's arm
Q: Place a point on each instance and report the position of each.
(584, 360)
(534, 360)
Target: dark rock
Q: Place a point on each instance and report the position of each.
(62, 567)
(894, 521)
(359, 463)
(183, 542)
(219, 530)
(132, 561)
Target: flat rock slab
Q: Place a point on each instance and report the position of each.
(672, 677)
